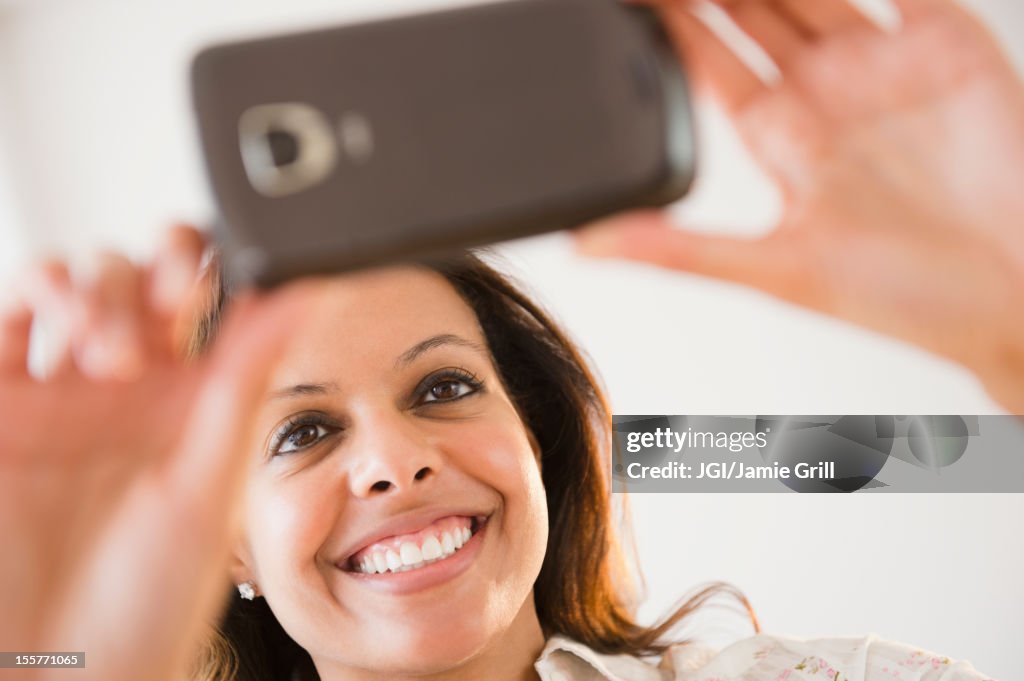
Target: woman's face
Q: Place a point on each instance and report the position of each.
(387, 440)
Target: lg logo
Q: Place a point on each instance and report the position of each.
(290, 147)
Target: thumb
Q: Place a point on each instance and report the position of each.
(769, 264)
(209, 466)
(161, 566)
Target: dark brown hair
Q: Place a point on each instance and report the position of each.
(584, 590)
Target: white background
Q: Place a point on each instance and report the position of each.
(97, 149)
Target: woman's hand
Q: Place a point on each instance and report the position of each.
(119, 472)
(900, 158)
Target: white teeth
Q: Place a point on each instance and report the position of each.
(447, 543)
(431, 548)
(411, 554)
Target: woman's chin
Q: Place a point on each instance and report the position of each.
(422, 651)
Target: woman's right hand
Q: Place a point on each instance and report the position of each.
(120, 471)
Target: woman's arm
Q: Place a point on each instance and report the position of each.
(900, 157)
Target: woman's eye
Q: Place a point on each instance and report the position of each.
(448, 389)
(301, 437)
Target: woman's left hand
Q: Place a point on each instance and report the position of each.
(899, 156)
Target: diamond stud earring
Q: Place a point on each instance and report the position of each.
(247, 590)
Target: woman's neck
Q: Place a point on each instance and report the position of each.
(508, 657)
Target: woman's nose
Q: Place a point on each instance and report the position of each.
(389, 454)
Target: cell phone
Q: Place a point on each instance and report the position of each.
(407, 138)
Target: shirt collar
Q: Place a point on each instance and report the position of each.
(564, 659)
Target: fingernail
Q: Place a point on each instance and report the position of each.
(172, 283)
(114, 353)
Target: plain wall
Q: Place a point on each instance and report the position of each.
(97, 149)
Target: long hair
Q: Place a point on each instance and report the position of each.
(585, 588)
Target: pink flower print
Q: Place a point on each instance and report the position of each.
(813, 666)
(783, 675)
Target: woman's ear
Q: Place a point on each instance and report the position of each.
(535, 446)
(239, 568)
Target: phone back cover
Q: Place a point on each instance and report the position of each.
(484, 123)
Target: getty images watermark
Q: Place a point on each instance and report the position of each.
(818, 454)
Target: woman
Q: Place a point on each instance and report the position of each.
(417, 475)
(426, 496)
(127, 516)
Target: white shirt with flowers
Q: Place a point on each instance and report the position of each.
(759, 658)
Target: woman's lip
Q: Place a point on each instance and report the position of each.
(442, 571)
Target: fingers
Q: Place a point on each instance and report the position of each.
(111, 320)
(821, 18)
(175, 290)
(782, 28)
(924, 11)
(813, 20)
(767, 264)
(776, 33)
(46, 290)
(914, 9)
(92, 325)
(109, 337)
(175, 268)
(715, 66)
(15, 332)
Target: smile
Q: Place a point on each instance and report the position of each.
(435, 543)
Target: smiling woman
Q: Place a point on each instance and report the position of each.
(404, 471)
(423, 456)
(432, 494)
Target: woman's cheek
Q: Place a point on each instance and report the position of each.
(287, 523)
(499, 455)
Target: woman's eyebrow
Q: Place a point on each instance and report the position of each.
(415, 351)
(301, 389)
(406, 358)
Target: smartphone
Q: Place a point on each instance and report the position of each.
(407, 138)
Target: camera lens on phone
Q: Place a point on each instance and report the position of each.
(283, 146)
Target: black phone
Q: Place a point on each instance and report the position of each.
(406, 138)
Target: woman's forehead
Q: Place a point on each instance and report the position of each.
(376, 316)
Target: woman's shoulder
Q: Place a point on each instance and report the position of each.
(759, 658)
(780, 658)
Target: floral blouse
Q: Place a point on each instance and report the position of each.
(759, 658)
